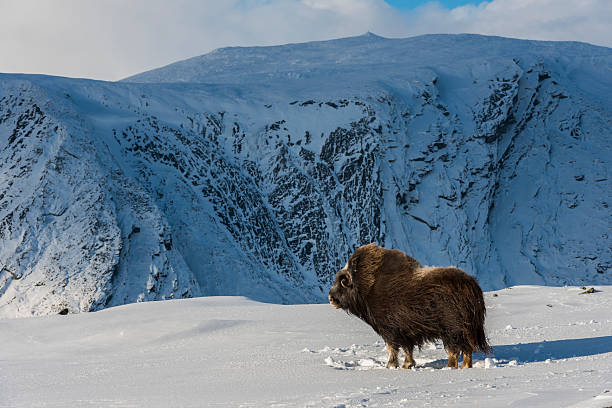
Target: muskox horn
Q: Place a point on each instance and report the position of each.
(347, 280)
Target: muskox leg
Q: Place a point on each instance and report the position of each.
(408, 361)
(393, 350)
(453, 357)
(467, 359)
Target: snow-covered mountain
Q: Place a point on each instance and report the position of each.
(257, 171)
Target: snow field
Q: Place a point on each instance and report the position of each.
(552, 348)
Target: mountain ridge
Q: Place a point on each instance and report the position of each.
(494, 46)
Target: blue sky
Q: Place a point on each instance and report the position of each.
(113, 39)
(412, 4)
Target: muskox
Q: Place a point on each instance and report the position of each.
(408, 305)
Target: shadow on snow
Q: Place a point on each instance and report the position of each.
(554, 349)
(541, 351)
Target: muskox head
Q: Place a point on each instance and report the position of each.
(343, 291)
(353, 282)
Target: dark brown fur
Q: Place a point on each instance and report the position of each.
(409, 305)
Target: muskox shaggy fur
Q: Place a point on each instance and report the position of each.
(408, 305)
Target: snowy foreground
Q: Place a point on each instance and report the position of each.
(553, 348)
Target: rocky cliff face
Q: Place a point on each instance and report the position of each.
(257, 171)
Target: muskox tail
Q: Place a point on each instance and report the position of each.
(475, 328)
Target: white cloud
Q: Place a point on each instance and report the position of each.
(558, 20)
(112, 39)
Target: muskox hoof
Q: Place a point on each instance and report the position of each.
(392, 364)
(408, 364)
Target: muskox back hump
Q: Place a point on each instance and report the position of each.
(395, 261)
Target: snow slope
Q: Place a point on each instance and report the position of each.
(552, 348)
(257, 171)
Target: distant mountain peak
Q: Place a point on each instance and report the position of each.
(370, 34)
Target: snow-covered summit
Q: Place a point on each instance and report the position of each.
(376, 56)
(257, 171)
